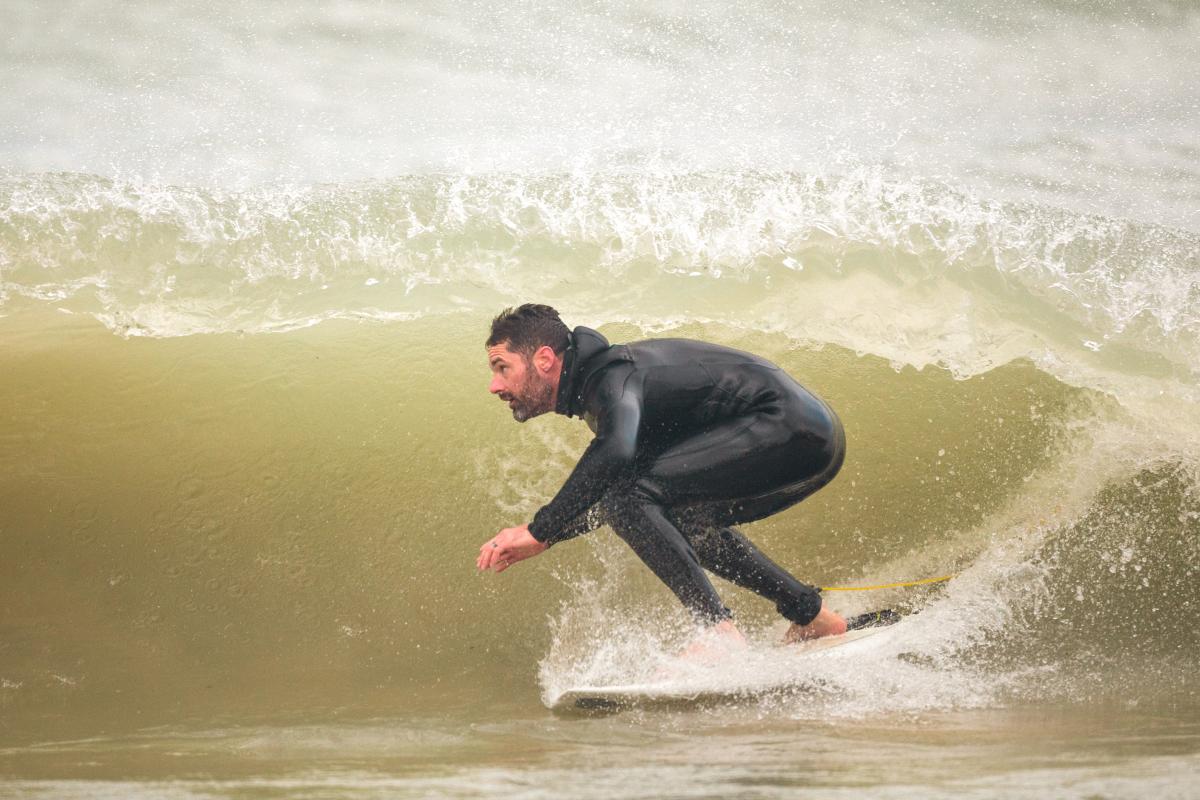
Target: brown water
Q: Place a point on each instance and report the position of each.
(242, 566)
(248, 256)
(719, 752)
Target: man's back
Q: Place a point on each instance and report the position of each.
(685, 387)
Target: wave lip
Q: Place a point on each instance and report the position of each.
(280, 255)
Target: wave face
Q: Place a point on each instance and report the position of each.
(246, 450)
(285, 457)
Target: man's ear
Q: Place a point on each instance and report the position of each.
(543, 358)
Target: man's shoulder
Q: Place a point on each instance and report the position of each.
(666, 352)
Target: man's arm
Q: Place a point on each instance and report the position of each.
(516, 544)
(618, 408)
(586, 522)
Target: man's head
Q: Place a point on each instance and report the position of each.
(525, 352)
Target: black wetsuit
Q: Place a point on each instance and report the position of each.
(690, 439)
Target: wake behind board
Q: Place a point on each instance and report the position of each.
(668, 694)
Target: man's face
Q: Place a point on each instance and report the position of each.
(517, 382)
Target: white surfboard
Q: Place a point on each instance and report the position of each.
(668, 693)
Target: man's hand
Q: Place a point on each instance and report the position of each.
(507, 548)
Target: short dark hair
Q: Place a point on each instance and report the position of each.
(528, 327)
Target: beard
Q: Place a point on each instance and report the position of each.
(533, 399)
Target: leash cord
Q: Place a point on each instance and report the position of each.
(921, 582)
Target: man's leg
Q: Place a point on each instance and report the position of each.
(728, 554)
(745, 471)
(639, 518)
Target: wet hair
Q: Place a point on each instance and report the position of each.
(528, 327)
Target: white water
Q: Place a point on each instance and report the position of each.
(996, 208)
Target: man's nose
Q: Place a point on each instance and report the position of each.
(496, 387)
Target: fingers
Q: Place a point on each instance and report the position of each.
(502, 560)
(503, 550)
(491, 554)
(486, 553)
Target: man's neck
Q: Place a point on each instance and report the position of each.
(556, 379)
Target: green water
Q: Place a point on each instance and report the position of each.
(248, 256)
(242, 566)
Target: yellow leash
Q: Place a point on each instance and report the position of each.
(921, 582)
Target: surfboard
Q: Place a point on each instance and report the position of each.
(666, 694)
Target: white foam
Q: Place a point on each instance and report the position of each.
(956, 651)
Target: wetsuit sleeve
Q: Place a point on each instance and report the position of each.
(586, 522)
(618, 410)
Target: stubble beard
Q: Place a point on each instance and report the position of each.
(536, 399)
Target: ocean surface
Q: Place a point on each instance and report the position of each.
(249, 253)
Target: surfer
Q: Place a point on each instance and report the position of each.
(690, 439)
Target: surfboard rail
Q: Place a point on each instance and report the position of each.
(667, 693)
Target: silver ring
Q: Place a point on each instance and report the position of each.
(494, 545)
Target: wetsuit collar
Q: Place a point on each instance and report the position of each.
(583, 343)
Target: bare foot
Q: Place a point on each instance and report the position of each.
(826, 623)
(714, 642)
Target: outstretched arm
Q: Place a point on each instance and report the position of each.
(517, 544)
(618, 409)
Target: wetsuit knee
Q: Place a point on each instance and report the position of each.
(635, 512)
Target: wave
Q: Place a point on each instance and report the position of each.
(1018, 383)
(1066, 592)
(917, 272)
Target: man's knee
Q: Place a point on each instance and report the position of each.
(637, 512)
